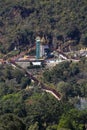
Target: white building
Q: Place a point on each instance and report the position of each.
(43, 46)
(42, 49)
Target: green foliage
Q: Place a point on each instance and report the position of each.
(34, 127)
(11, 122)
(53, 127)
(74, 119)
(46, 111)
(14, 97)
(18, 75)
(69, 78)
(21, 20)
(24, 82)
(40, 110)
(7, 73)
(61, 71)
(84, 39)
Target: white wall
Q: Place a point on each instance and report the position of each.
(42, 50)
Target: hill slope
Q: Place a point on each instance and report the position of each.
(20, 20)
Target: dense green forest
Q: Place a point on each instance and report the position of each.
(69, 78)
(21, 20)
(24, 106)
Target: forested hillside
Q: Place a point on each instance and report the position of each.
(21, 20)
(24, 106)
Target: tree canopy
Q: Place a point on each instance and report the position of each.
(20, 21)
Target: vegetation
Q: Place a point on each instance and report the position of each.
(23, 105)
(24, 108)
(69, 78)
(11, 122)
(20, 21)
